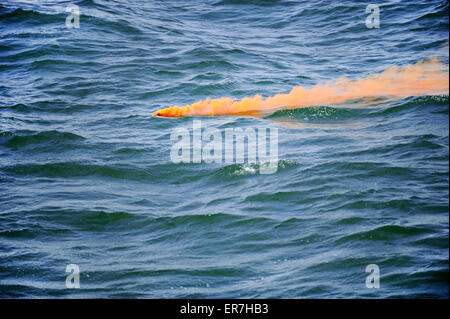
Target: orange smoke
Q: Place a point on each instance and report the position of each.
(422, 78)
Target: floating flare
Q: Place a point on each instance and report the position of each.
(422, 78)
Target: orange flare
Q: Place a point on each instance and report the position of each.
(422, 78)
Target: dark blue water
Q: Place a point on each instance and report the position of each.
(86, 176)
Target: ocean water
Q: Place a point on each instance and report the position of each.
(86, 176)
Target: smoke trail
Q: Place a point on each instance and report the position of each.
(422, 78)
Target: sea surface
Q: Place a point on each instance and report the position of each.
(86, 176)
